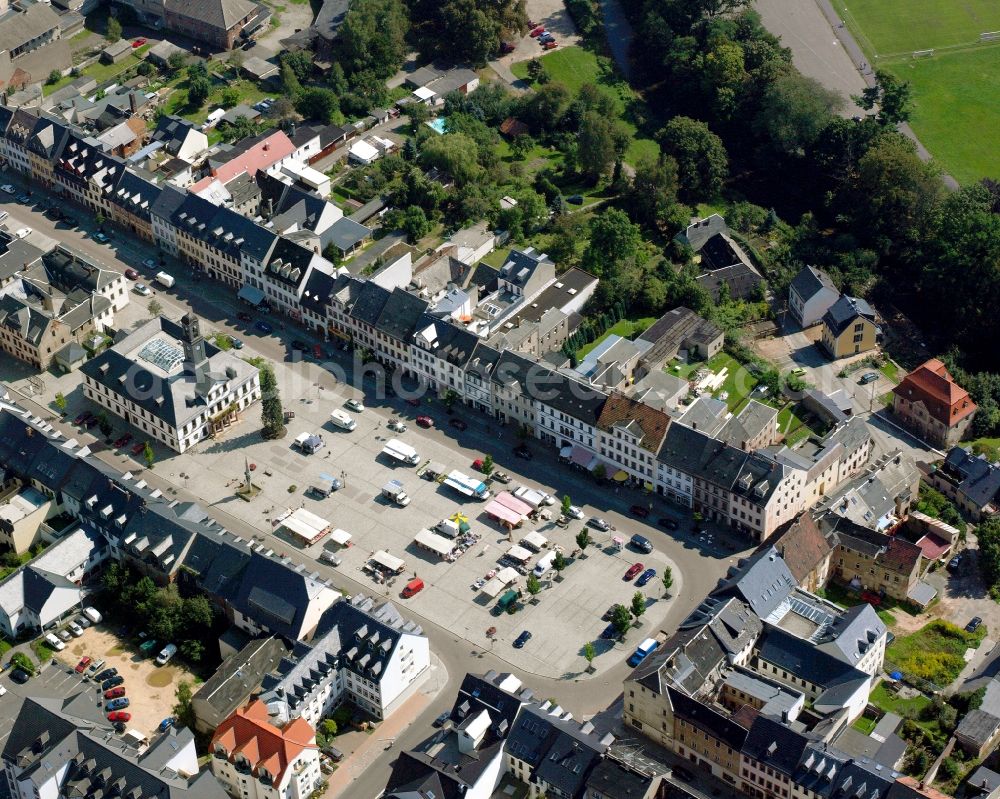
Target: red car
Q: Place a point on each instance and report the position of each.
(633, 570)
(550, 45)
(119, 715)
(506, 47)
(536, 32)
(425, 421)
(131, 274)
(639, 510)
(82, 418)
(317, 352)
(114, 693)
(138, 448)
(138, 42)
(243, 316)
(82, 665)
(121, 441)
(477, 464)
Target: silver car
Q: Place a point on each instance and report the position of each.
(600, 524)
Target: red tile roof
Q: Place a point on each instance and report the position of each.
(802, 546)
(249, 732)
(933, 547)
(265, 153)
(619, 409)
(900, 555)
(931, 384)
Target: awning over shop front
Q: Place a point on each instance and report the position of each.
(251, 294)
(498, 511)
(582, 457)
(620, 476)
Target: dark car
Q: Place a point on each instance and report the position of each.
(425, 421)
(20, 676)
(263, 327)
(645, 577)
(610, 612)
(82, 418)
(440, 720)
(667, 522)
(118, 704)
(973, 625)
(113, 682)
(506, 47)
(955, 564)
(243, 316)
(641, 543)
(131, 274)
(413, 402)
(521, 640)
(632, 571)
(545, 38)
(639, 510)
(523, 452)
(24, 198)
(121, 441)
(868, 377)
(682, 773)
(609, 632)
(458, 424)
(575, 199)
(300, 345)
(107, 674)
(166, 724)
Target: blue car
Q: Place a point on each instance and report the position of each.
(166, 724)
(117, 704)
(646, 576)
(237, 343)
(521, 640)
(263, 327)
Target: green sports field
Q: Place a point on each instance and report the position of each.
(956, 91)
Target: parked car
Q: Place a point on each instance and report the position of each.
(500, 477)
(955, 564)
(536, 32)
(8, 189)
(397, 426)
(546, 37)
(575, 199)
(83, 621)
(119, 715)
(112, 682)
(682, 773)
(645, 577)
(317, 352)
(75, 629)
(425, 421)
(506, 47)
(82, 665)
(574, 512)
(632, 571)
(96, 666)
(599, 523)
(639, 510)
(355, 405)
(82, 418)
(413, 402)
(115, 693)
(298, 344)
(139, 42)
(609, 632)
(521, 640)
(243, 316)
(24, 198)
(974, 624)
(107, 674)
(458, 424)
(667, 522)
(149, 263)
(101, 238)
(440, 720)
(118, 704)
(138, 448)
(263, 327)
(610, 612)
(166, 724)
(143, 289)
(131, 274)
(868, 377)
(641, 543)
(20, 676)
(236, 342)
(523, 452)
(122, 441)
(64, 635)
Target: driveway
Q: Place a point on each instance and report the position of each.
(556, 19)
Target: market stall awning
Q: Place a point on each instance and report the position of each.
(341, 537)
(536, 539)
(387, 561)
(251, 294)
(499, 511)
(519, 553)
(582, 457)
(434, 542)
(305, 525)
(620, 476)
(511, 502)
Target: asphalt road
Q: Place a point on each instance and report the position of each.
(699, 566)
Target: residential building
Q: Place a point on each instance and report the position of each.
(810, 295)
(806, 551)
(880, 497)
(725, 269)
(929, 402)
(871, 561)
(60, 746)
(235, 680)
(363, 651)
(431, 84)
(219, 24)
(849, 327)
(180, 137)
(23, 511)
(167, 380)
(970, 481)
(679, 333)
(254, 759)
(630, 435)
(132, 203)
(617, 779)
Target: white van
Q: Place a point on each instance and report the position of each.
(342, 420)
(165, 279)
(544, 563)
(93, 615)
(166, 653)
(54, 642)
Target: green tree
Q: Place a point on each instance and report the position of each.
(328, 727)
(890, 95)
(23, 662)
(454, 153)
(794, 111)
(418, 114)
(488, 464)
(318, 103)
(301, 62)
(622, 619)
(281, 109)
(373, 37)
(154, 308)
(667, 579)
(104, 424)
(116, 578)
(54, 77)
(535, 69)
(521, 145)
(290, 84)
(198, 91)
(567, 503)
(114, 32)
(192, 650)
(235, 60)
(229, 97)
(653, 191)
(272, 414)
(559, 562)
(583, 540)
(415, 223)
(183, 710)
(589, 653)
(197, 615)
(702, 161)
(60, 401)
(533, 585)
(176, 62)
(638, 604)
(148, 455)
(613, 238)
(596, 145)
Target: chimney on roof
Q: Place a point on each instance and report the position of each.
(133, 104)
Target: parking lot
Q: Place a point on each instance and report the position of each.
(149, 688)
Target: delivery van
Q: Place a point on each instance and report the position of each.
(412, 588)
(342, 420)
(164, 279)
(544, 563)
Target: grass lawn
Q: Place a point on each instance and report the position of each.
(626, 328)
(935, 652)
(890, 370)
(864, 725)
(902, 26)
(891, 703)
(739, 382)
(574, 67)
(990, 447)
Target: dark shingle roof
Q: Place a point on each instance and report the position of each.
(810, 280)
(401, 314)
(369, 304)
(844, 311)
(775, 745)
